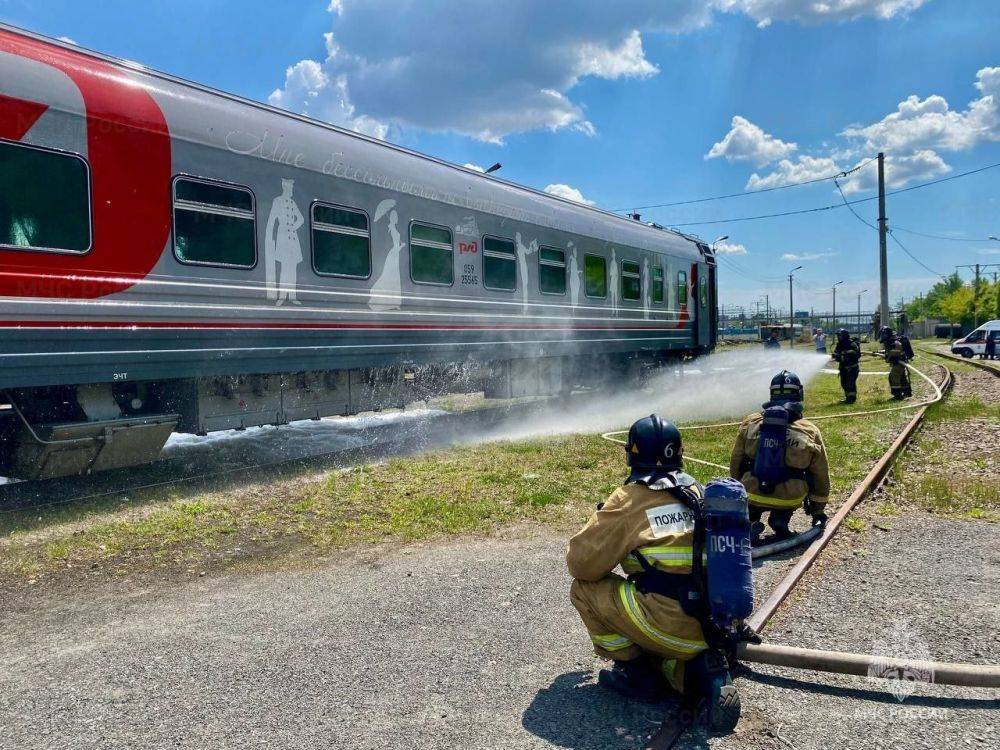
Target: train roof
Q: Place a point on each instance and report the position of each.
(616, 229)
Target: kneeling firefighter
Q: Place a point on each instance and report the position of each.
(781, 460)
(848, 356)
(675, 621)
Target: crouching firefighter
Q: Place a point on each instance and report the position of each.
(848, 356)
(674, 623)
(781, 460)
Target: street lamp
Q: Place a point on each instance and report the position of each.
(835, 302)
(863, 291)
(717, 240)
(494, 168)
(791, 308)
(995, 239)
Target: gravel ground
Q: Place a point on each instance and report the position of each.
(473, 643)
(432, 646)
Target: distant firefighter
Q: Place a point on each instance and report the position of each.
(671, 624)
(781, 460)
(848, 356)
(899, 375)
(773, 341)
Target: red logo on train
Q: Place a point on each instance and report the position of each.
(128, 145)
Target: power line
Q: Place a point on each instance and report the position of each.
(745, 193)
(851, 208)
(832, 206)
(938, 236)
(913, 257)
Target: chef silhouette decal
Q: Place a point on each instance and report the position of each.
(282, 250)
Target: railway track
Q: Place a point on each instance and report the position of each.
(678, 722)
(972, 361)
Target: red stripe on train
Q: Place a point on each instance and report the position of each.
(151, 325)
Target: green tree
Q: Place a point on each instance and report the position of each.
(956, 307)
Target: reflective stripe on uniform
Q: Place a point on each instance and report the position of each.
(775, 502)
(611, 642)
(626, 592)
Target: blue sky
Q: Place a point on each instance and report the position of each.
(630, 104)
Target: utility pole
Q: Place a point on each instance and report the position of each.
(791, 309)
(835, 302)
(975, 290)
(767, 307)
(883, 267)
(865, 291)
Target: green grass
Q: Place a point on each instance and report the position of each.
(463, 490)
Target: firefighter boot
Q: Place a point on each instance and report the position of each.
(778, 520)
(707, 683)
(639, 679)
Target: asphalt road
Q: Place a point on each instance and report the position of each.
(468, 644)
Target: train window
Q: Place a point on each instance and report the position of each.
(595, 274)
(703, 290)
(658, 284)
(214, 224)
(682, 287)
(431, 255)
(499, 266)
(31, 218)
(631, 281)
(551, 271)
(341, 242)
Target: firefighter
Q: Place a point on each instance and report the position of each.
(899, 375)
(781, 460)
(848, 356)
(648, 526)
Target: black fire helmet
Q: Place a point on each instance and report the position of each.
(786, 387)
(843, 334)
(654, 449)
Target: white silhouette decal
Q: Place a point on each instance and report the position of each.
(614, 283)
(574, 275)
(386, 292)
(645, 288)
(282, 250)
(523, 251)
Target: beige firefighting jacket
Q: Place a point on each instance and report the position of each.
(655, 522)
(804, 451)
(661, 527)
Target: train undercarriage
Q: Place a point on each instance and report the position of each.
(74, 430)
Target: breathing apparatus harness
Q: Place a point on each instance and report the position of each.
(718, 592)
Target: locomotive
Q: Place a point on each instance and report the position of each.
(178, 259)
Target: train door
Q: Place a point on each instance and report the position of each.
(700, 287)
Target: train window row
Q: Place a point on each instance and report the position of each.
(215, 224)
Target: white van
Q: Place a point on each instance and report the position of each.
(975, 342)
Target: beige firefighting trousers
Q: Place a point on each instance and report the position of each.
(622, 622)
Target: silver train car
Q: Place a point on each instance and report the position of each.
(173, 258)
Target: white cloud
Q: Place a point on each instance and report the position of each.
(68, 40)
(474, 167)
(311, 91)
(930, 123)
(818, 11)
(487, 69)
(801, 257)
(479, 68)
(899, 171)
(729, 248)
(748, 142)
(787, 172)
(569, 193)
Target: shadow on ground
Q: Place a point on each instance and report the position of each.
(574, 712)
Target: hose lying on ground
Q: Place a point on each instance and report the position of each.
(938, 673)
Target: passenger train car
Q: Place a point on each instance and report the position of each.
(173, 258)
